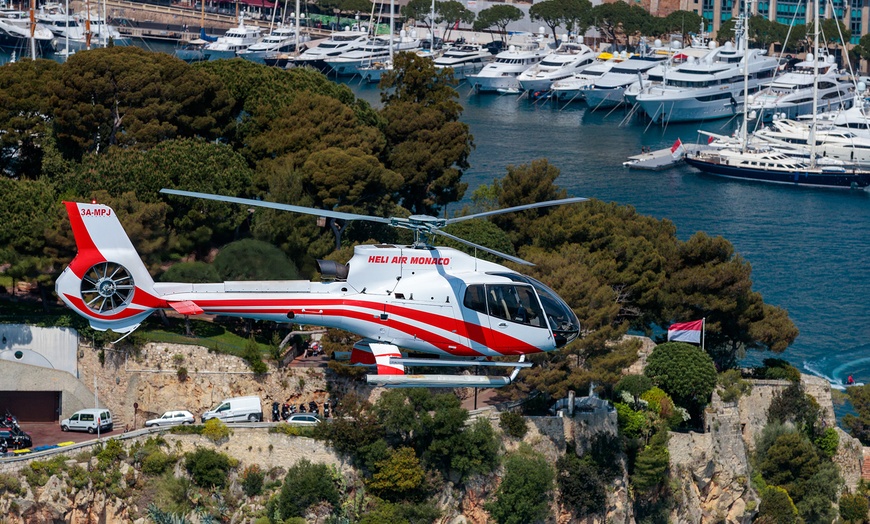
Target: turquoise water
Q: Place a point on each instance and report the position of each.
(809, 248)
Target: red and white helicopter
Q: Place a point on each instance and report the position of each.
(433, 300)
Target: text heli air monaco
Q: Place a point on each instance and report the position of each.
(433, 300)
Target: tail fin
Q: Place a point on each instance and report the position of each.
(107, 283)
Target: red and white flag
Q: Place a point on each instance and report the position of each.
(710, 139)
(677, 149)
(686, 331)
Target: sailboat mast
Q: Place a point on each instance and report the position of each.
(32, 30)
(745, 45)
(432, 35)
(815, 80)
(298, 15)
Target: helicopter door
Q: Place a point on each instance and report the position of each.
(512, 315)
(413, 322)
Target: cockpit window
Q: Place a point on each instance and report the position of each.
(561, 318)
(507, 302)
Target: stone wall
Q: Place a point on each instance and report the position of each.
(151, 380)
(23, 377)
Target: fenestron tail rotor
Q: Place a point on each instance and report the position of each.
(107, 287)
(423, 226)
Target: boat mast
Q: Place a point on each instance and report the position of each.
(87, 25)
(432, 32)
(32, 30)
(66, 37)
(392, 6)
(745, 44)
(815, 81)
(298, 15)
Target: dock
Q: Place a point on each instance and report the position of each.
(659, 159)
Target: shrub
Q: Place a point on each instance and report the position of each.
(777, 507)
(252, 480)
(513, 424)
(215, 430)
(156, 463)
(631, 423)
(207, 467)
(252, 355)
(10, 484)
(113, 451)
(580, 487)
(306, 484)
(634, 385)
(827, 442)
(777, 369)
(732, 386)
(854, 508)
(182, 373)
(526, 488)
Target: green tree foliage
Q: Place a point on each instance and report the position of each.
(634, 385)
(196, 272)
(525, 490)
(550, 12)
(127, 96)
(420, 10)
(426, 142)
(252, 480)
(827, 442)
(854, 508)
(632, 423)
(215, 430)
(304, 485)
(29, 213)
(651, 466)
(679, 22)
(24, 97)
(254, 357)
(777, 369)
(859, 425)
(451, 12)
(482, 232)
(709, 280)
(821, 491)
(513, 424)
(684, 371)
(663, 406)
(789, 462)
(401, 476)
(354, 427)
(207, 467)
(251, 259)
(776, 507)
(346, 6)
(580, 487)
(793, 405)
(499, 16)
(834, 32)
(607, 16)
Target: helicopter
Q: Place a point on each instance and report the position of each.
(456, 309)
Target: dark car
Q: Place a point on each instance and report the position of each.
(15, 438)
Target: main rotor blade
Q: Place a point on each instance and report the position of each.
(548, 203)
(275, 205)
(478, 246)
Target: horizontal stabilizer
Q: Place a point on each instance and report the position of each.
(437, 381)
(187, 307)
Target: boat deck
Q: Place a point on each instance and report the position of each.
(657, 160)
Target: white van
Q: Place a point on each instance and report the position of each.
(88, 420)
(237, 409)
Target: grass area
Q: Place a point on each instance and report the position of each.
(224, 342)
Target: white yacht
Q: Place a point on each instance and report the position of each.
(64, 26)
(609, 90)
(573, 88)
(464, 59)
(656, 75)
(712, 87)
(376, 50)
(15, 33)
(830, 141)
(791, 95)
(335, 45)
(282, 39)
(567, 59)
(234, 40)
(501, 74)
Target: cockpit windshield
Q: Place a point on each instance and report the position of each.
(561, 318)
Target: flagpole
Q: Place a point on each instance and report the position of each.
(703, 331)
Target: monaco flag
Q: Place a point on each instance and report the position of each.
(686, 331)
(677, 149)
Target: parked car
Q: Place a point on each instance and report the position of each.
(237, 409)
(88, 420)
(14, 438)
(304, 419)
(171, 418)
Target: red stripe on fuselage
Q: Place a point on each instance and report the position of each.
(331, 307)
(140, 298)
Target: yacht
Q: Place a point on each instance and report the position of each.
(15, 32)
(501, 74)
(464, 59)
(338, 43)
(791, 95)
(771, 165)
(656, 75)
(376, 50)
(64, 26)
(609, 90)
(282, 39)
(574, 87)
(234, 40)
(709, 88)
(567, 59)
(829, 141)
